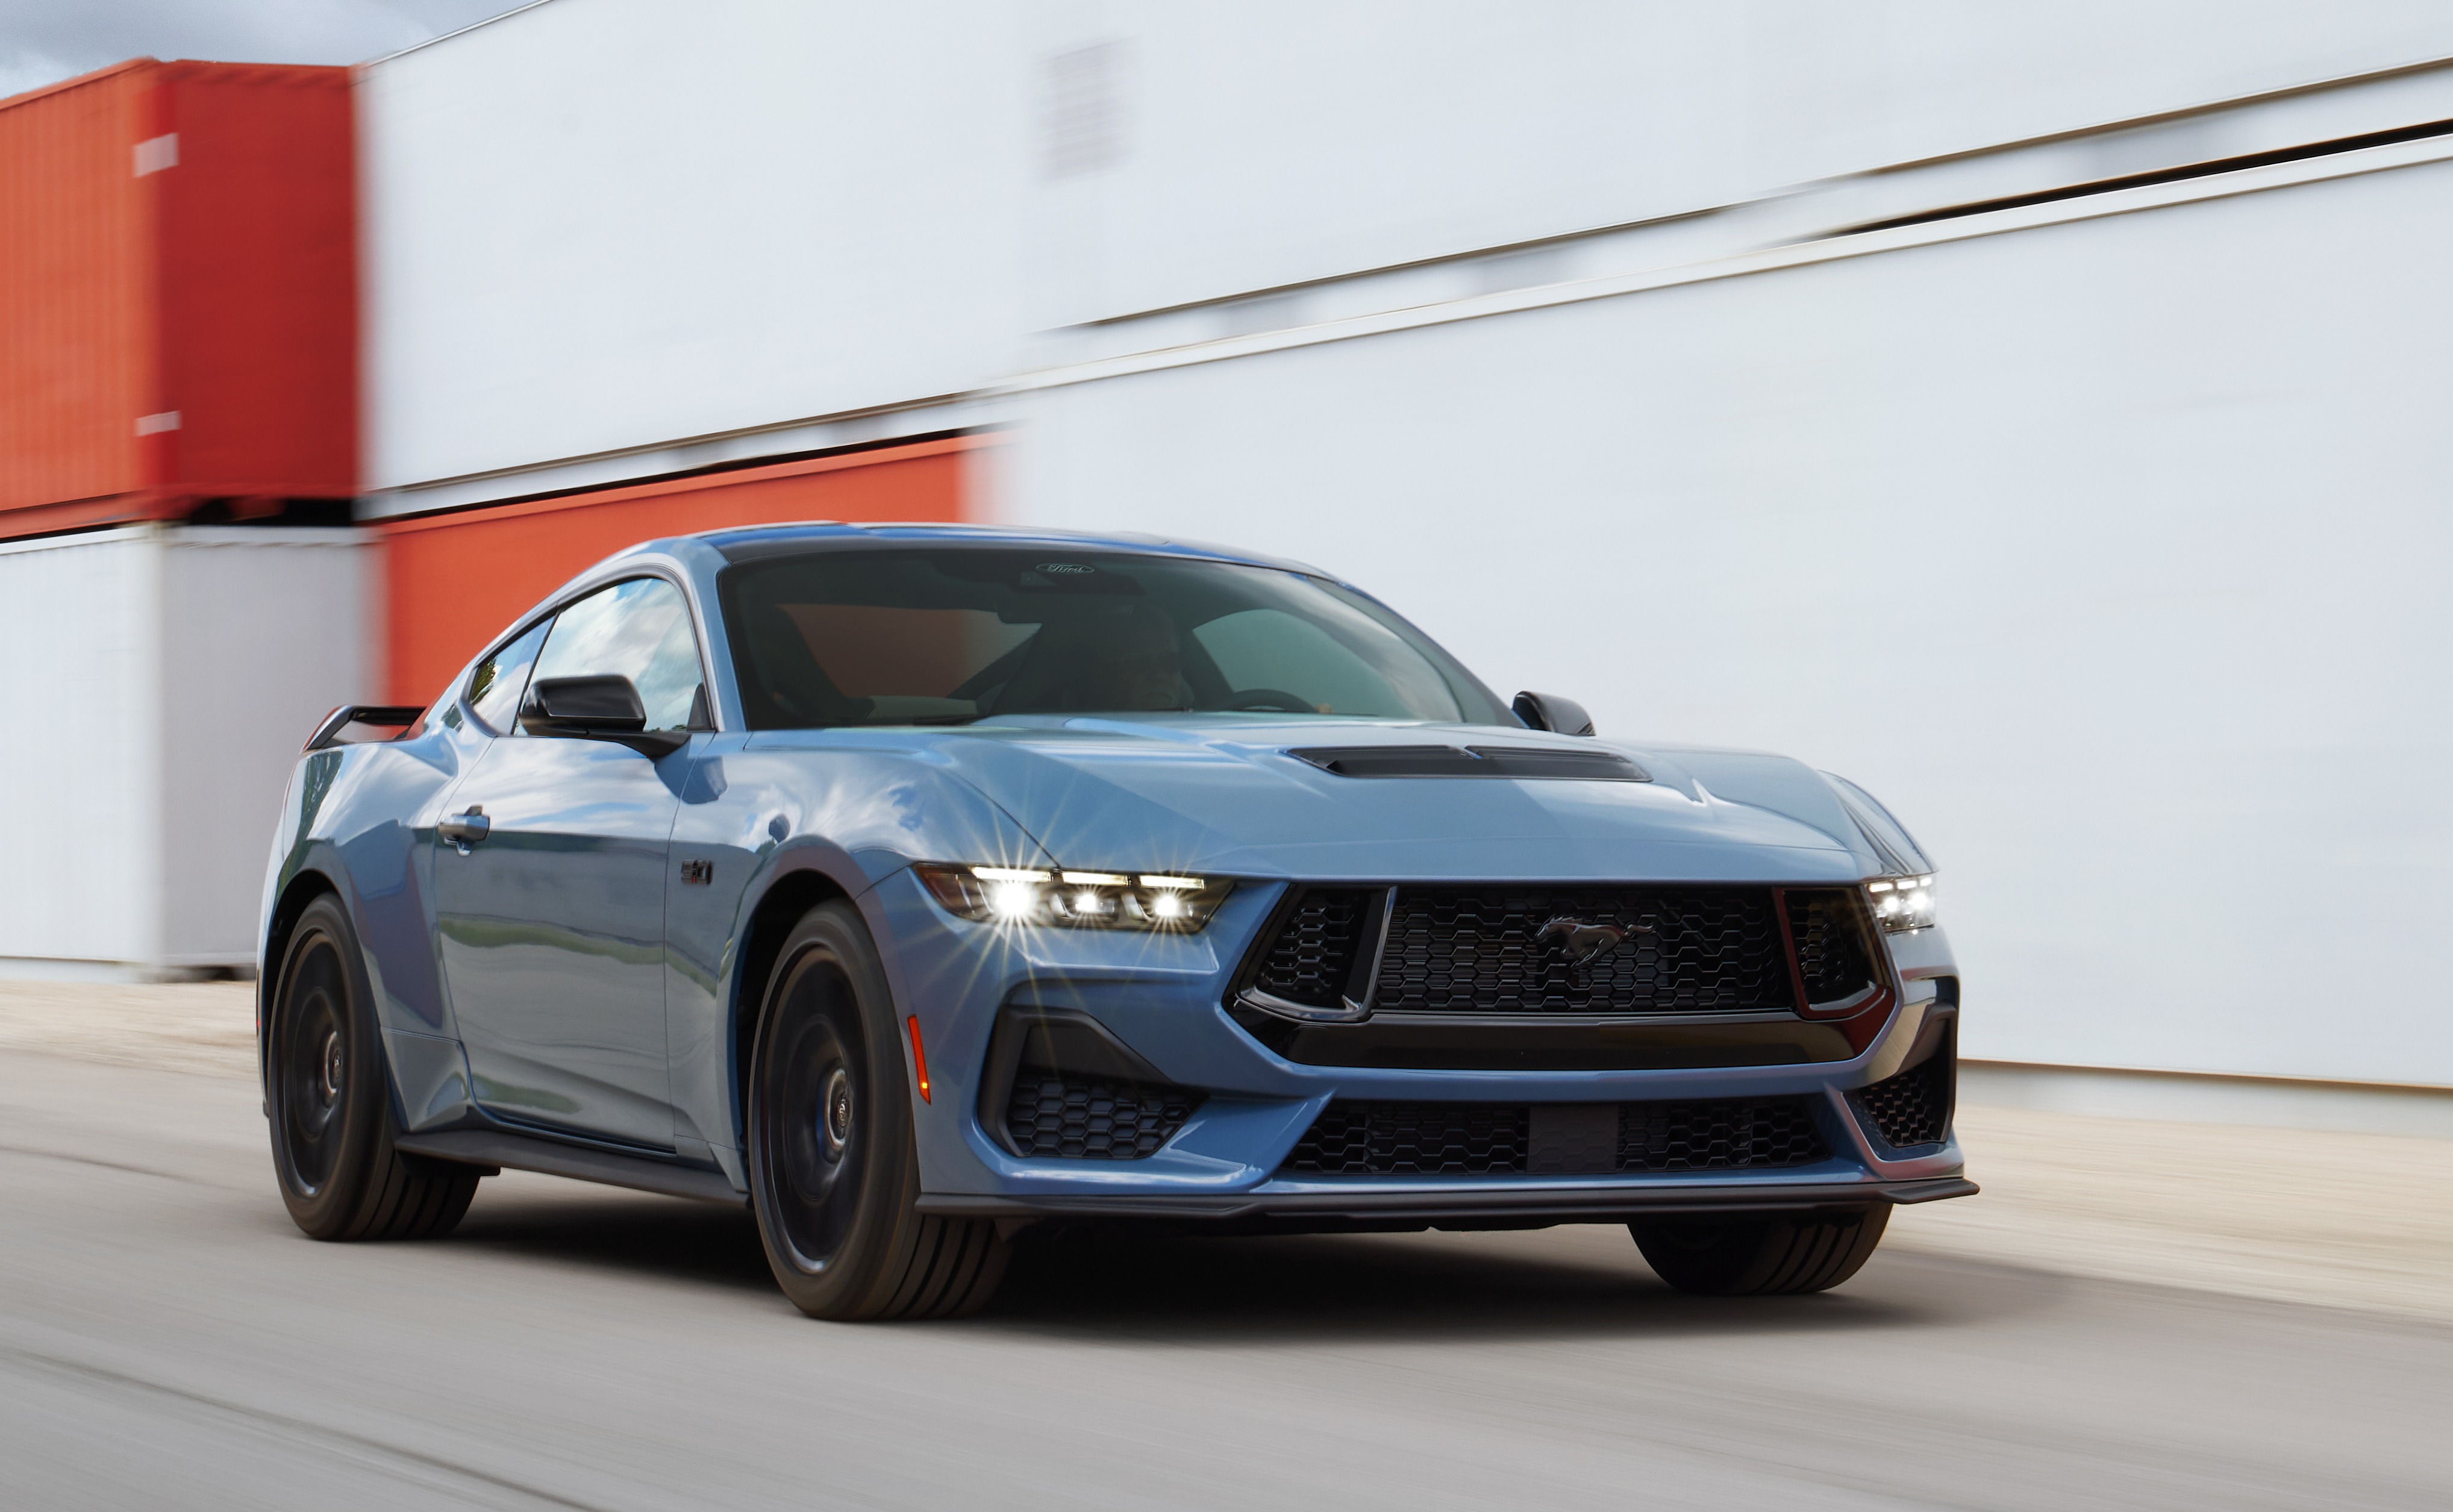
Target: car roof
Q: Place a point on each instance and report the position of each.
(758, 542)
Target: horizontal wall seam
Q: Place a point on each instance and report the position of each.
(1799, 254)
(680, 443)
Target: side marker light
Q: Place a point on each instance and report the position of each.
(919, 1056)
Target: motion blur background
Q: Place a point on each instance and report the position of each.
(2031, 413)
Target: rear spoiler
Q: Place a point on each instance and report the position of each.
(385, 715)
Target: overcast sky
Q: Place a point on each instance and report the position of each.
(44, 41)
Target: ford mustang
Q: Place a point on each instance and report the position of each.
(920, 886)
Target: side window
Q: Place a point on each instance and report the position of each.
(639, 629)
(501, 679)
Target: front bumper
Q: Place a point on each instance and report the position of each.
(1163, 997)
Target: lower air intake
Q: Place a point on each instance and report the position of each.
(1913, 1108)
(1732, 1135)
(1414, 1139)
(1054, 1114)
(1475, 1139)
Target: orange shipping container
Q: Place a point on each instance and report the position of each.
(178, 322)
(452, 580)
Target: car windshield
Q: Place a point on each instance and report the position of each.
(948, 635)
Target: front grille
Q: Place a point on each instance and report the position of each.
(1482, 949)
(1717, 1136)
(1414, 1139)
(1470, 1139)
(1311, 959)
(1913, 1108)
(1054, 1113)
(1829, 927)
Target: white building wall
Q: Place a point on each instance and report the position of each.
(2112, 554)
(159, 683)
(1271, 142)
(589, 228)
(590, 232)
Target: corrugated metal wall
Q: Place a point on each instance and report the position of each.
(268, 629)
(178, 294)
(160, 680)
(259, 281)
(81, 779)
(76, 291)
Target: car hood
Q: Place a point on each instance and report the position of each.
(1221, 796)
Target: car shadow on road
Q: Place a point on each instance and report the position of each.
(631, 1232)
(1139, 1286)
(1546, 1282)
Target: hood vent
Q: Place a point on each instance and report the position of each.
(1472, 761)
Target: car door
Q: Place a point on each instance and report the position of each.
(551, 874)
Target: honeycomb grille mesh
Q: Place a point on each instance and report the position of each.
(1414, 1139)
(1721, 1136)
(1913, 1108)
(1827, 925)
(1471, 1139)
(1484, 949)
(1309, 960)
(1057, 1113)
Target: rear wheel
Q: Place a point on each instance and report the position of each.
(330, 1110)
(1761, 1257)
(834, 1169)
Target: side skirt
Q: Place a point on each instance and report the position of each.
(526, 1152)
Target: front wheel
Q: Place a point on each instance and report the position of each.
(834, 1169)
(1761, 1257)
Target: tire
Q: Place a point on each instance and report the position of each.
(330, 1102)
(1761, 1257)
(834, 1167)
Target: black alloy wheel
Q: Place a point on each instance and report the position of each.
(834, 1170)
(330, 1109)
(1761, 1257)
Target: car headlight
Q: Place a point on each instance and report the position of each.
(1901, 904)
(1076, 900)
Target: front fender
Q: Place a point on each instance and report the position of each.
(771, 820)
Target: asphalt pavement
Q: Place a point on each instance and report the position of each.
(168, 1339)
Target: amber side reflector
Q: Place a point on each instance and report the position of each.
(919, 1056)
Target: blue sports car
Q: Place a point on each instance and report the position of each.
(924, 886)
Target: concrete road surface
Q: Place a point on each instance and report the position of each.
(168, 1339)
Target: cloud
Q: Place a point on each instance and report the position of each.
(44, 41)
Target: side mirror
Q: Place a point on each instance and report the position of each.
(1549, 711)
(605, 708)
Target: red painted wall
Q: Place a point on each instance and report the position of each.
(453, 580)
(215, 280)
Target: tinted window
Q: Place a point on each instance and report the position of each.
(952, 635)
(495, 691)
(639, 629)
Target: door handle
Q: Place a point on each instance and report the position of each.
(467, 829)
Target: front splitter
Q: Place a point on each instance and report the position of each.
(1583, 1204)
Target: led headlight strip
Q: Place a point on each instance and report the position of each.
(1074, 900)
(1901, 904)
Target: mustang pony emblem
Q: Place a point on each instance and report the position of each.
(1586, 943)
